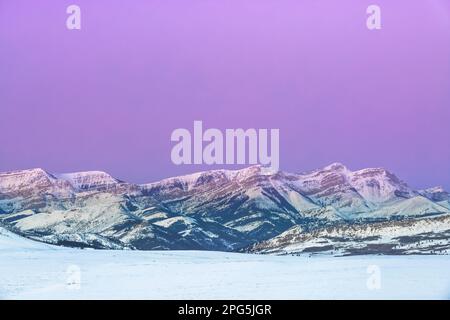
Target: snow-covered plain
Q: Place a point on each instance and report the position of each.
(32, 270)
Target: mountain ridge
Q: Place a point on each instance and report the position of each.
(228, 210)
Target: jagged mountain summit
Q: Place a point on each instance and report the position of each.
(329, 210)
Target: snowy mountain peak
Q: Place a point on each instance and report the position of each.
(198, 179)
(14, 180)
(434, 189)
(27, 173)
(88, 179)
(378, 185)
(336, 166)
(435, 194)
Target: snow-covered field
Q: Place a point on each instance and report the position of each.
(33, 270)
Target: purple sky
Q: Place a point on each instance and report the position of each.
(107, 97)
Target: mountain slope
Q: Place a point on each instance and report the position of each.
(412, 236)
(10, 241)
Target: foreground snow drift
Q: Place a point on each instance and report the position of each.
(32, 270)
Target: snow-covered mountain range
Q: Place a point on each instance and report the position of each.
(329, 210)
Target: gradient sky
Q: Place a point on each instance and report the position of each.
(107, 97)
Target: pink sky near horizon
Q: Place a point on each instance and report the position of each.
(108, 96)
